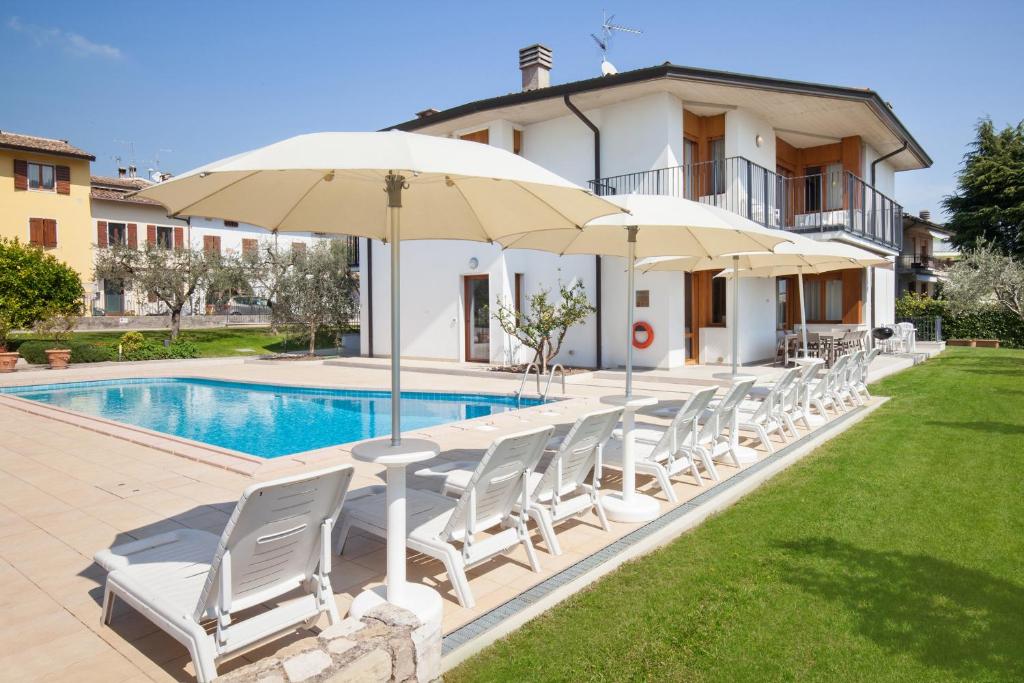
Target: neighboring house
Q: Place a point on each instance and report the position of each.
(816, 159)
(44, 198)
(926, 254)
(133, 221)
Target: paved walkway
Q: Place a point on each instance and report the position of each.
(67, 491)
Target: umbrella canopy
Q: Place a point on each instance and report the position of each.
(813, 256)
(332, 182)
(667, 226)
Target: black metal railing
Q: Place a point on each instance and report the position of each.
(921, 262)
(929, 328)
(352, 250)
(831, 200)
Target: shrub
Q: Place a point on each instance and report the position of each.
(988, 322)
(34, 351)
(132, 340)
(912, 305)
(150, 350)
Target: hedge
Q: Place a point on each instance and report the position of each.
(34, 351)
(988, 321)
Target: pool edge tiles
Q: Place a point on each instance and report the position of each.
(257, 420)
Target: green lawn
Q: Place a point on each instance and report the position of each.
(220, 341)
(893, 553)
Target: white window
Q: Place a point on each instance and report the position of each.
(41, 177)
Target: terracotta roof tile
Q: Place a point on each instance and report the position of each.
(33, 143)
(117, 189)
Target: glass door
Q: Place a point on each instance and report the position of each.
(113, 297)
(689, 327)
(478, 328)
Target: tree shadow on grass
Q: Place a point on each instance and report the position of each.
(964, 621)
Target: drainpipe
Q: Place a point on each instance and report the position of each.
(597, 177)
(871, 269)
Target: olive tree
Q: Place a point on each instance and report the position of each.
(317, 290)
(172, 276)
(34, 286)
(985, 274)
(265, 269)
(543, 326)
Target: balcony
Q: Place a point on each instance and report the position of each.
(820, 203)
(921, 263)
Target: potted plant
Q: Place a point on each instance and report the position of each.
(58, 324)
(8, 359)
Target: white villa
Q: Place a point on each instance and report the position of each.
(820, 160)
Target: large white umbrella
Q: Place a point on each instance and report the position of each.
(655, 225)
(390, 186)
(801, 255)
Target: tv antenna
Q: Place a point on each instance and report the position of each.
(604, 41)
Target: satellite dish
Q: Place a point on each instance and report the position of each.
(607, 68)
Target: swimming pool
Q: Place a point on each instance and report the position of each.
(265, 420)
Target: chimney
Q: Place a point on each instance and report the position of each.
(122, 172)
(925, 214)
(535, 63)
(425, 113)
(132, 171)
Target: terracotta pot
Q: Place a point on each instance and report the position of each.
(58, 358)
(987, 343)
(959, 342)
(8, 361)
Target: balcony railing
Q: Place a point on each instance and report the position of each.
(813, 203)
(352, 250)
(921, 262)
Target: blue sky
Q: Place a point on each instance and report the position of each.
(190, 82)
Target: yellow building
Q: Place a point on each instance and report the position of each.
(44, 198)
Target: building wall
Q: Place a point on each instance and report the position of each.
(70, 211)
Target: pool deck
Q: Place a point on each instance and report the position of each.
(69, 488)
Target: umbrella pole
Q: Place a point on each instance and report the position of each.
(735, 313)
(394, 185)
(803, 313)
(630, 311)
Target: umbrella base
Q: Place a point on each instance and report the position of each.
(638, 508)
(421, 600)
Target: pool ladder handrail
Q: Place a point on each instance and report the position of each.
(547, 385)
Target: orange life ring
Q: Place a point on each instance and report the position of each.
(648, 330)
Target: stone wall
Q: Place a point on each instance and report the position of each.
(163, 322)
(387, 644)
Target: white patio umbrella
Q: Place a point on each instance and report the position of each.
(436, 188)
(655, 225)
(801, 255)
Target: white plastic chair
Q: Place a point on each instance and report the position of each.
(665, 453)
(719, 434)
(821, 394)
(859, 376)
(561, 491)
(761, 412)
(278, 540)
(436, 523)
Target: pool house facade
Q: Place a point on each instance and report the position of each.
(814, 159)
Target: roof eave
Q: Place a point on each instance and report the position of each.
(47, 152)
(869, 97)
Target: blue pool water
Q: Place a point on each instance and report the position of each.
(264, 420)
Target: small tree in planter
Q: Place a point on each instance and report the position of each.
(543, 327)
(318, 290)
(32, 284)
(172, 276)
(58, 325)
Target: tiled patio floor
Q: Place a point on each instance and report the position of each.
(66, 492)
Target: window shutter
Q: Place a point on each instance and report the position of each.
(852, 296)
(151, 235)
(63, 176)
(216, 245)
(49, 233)
(211, 244)
(299, 247)
(35, 232)
(101, 234)
(249, 246)
(20, 174)
(151, 297)
(179, 237)
(133, 235)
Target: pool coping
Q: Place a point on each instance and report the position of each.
(472, 637)
(199, 451)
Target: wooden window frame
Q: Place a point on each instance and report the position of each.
(124, 234)
(718, 282)
(518, 288)
(820, 281)
(39, 167)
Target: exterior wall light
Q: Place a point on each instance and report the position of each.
(473, 263)
(758, 140)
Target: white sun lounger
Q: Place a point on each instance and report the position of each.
(278, 540)
(436, 523)
(665, 453)
(561, 492)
